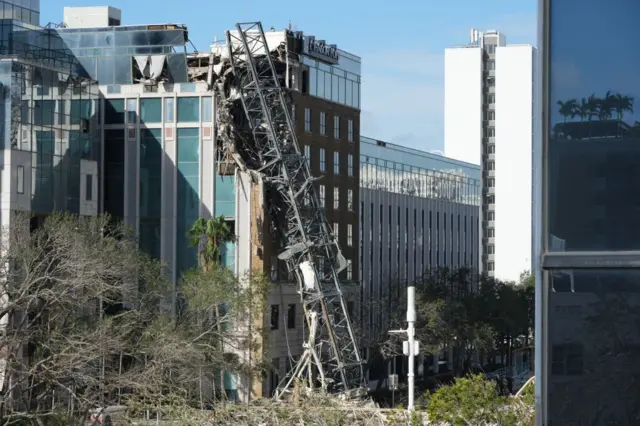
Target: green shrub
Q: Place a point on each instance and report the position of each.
(474, 401)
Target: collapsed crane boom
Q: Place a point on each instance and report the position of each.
(311, 251)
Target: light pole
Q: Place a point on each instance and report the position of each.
(411, 343)
(410, 347)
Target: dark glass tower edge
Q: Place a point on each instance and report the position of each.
(604, 260)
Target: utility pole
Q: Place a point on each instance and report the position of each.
(410, 347)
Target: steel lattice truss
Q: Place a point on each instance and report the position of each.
(311, 251)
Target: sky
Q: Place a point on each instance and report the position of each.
(401, 44)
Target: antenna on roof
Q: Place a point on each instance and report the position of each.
(290, 26)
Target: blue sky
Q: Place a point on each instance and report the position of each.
(401, 44)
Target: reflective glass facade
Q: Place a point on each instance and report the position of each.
(108, 54)
(337, 83)
(188, 207)
(27, 11)
(588, 337)
(151, 157)
(51, 114)
(401, 170)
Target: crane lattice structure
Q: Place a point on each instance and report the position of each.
(311, 251)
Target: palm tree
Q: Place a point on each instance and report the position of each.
(622, 104)
(606, 106)
(568, 108)
(583, 109)
(208, 235)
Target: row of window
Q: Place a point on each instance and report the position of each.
(323, 124)
(188, 109)
(336, 161)
(150, 110)
(20, 186)
(290, 316)
(423, 236)
(336, 197)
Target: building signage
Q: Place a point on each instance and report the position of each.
(320, 50)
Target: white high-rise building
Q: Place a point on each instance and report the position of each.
(488, 116)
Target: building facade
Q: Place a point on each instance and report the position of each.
(418, 211)
(163, 169)
(49, 127)
(587, 226)
(488, 121)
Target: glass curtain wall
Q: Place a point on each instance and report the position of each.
(48, 111)
(588, 325)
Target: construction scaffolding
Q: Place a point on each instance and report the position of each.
(256, 133)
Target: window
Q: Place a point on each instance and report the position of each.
(293, 113)
(113, 114)
(323, 160)
(350, 200)
(307, 154)
(274, 268)
(207, 109)
(350, 165)
(490, 266)
(188, 110)
(350, 130)
(307, 120)
(275, 316)
(323, 123)
(491, 249)
(150, 110)
(321, 195)
(489, 132)
(336, 230)
(20, 180)
(291, 316)
(491, 165)
(132, 109)
(491, 215)
(336, 198)
(168, 110)
(491, 232)
(349, 270)
(491, 99)
(349, 235)
(336, 127)
(89, 187)
(336, 163)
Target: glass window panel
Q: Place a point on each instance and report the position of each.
(321, 84)
(594, 140)
(106, 70)
(169, 110)
(188, 110)
(349, 100)
(132, 108)
(356, 95)
(20, 180)
(593, 339)
(341, 90)
(207, 109)
(334, 88)
(114, 111)
(89, 187)
(313, 81)
(327, 85)
(151, 110)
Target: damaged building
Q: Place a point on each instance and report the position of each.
(173, 148)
